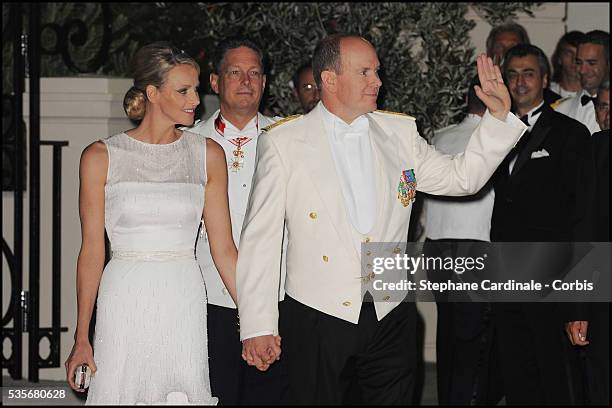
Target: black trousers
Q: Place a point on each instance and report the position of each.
(264, 387)
(224, 354)
(536, 366)
(595, 357)
(467, 365)
(232, 380)
(332, 361)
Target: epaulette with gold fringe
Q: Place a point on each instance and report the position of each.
(395, 113)
(280, 122)
(556, 103)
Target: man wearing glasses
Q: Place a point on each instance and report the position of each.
(305, 88)
(602, 105)
(238, 78)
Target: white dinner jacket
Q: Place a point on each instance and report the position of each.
(238, 188)
(573, 108)
(295, 182)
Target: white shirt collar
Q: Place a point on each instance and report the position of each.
(232, 132)
(353, 159)
(584, 92)
(530, 113)
(337, 127)
(533, 118)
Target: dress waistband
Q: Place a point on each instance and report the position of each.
(153, 256)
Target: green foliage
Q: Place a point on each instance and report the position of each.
(7, 52)
(497, 13)
(424, 48)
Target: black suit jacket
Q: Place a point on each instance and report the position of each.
(597, 313)
(550, 96)
(601, 153)
(546, 199)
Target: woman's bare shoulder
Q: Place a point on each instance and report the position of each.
(95, 158)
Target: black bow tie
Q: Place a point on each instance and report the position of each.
(525, 118)
(586, 99)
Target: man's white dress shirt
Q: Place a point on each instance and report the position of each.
(532, 118)
(556, 88)
(584, 114)
(453, 217)
(352, 154)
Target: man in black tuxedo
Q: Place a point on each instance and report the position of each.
(589, 323)
(542, 190)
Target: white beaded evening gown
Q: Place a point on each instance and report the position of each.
(150, 342)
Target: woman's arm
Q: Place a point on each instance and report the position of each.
(92, 174)
(217, 217)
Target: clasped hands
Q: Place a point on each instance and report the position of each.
(261, 351)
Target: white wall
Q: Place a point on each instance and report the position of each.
(588, 16)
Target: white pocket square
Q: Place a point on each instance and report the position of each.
(539, 154)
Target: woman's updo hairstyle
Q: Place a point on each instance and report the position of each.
(150, 66)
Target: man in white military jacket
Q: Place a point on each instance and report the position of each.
(238, 78)
(333, 177)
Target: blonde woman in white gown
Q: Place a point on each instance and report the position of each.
(150, 187)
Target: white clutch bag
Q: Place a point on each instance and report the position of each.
(82, 376)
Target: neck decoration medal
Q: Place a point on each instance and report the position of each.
(238, 154)
(406, 190)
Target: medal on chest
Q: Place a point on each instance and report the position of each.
(406, 190)
(237, 160)
(238, 154)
